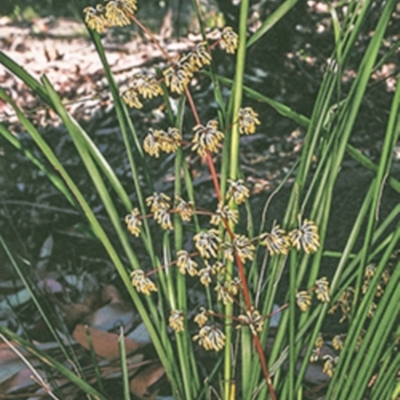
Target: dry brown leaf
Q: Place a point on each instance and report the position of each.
(8, 371)
(105, 344)
(93, 299)
(6, 354)
(105, 294)
(21, 380)
(110, 294)
(111, 316)
(140, 384)
(74, 313)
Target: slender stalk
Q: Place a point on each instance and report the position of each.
(124, 367)
(151, 36)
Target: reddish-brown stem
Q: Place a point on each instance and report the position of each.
(213, 175)
(215, 44)
(264, 366)
(208, 156)
(192, 106)
(278, 310)
(197, 211)
(223, 316)
(153, 271)
(151, 36)
(239, 263)
(218, 193)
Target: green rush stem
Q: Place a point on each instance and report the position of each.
(239, 263)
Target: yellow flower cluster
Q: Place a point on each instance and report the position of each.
(229, 40)
(210, 338)
(369, 274)
(208, 271)
(186, 264)
(330, 360)
(237, 191)
(178, 75)
(133, 222)
(321, 289)
(303, 300)
(131, 98)
(95, 18)
(276, 241)
(158, 140)
(207, 243)
(202, 317)
(344, 303)
(319, 342)
(338, 342)
(247, 119)
(146, 86)
(241, 246)
(305, 237)
(141, 283)
(160, 206)
(114, 13)
(227, 291)
(253, 320)
(329, 364)
(176, 321)
(185, 209)
(317, 350)
(207, 138)
(157, 201)
(224, 214)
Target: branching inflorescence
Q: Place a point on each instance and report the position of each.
(212, 249)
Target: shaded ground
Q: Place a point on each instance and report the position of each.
(40, 226)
